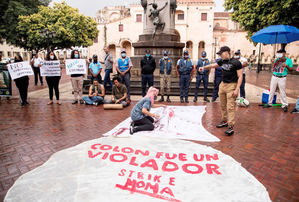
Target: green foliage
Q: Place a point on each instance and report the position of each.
(254, 15)
(71, 27)
(10, 10)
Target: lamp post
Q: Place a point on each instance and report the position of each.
(47, 35)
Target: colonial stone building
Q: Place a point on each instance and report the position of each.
(197, 24)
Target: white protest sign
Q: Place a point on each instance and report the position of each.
(19, 69)
(138, 169)
(50, 68)
(75, 66)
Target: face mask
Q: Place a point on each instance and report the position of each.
(237, 56)
(165, 57)
(52, 57)
(156, 97)
(76, 55)
(123, 55)
(148, 55)
(95, 60)
(279, 55)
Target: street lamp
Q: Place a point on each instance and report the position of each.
(47, 35)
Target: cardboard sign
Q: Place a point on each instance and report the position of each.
(75, 66)
(19, 69)
(50, 68)
(138, 169)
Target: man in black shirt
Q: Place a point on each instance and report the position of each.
(148, 66)
(232, 76)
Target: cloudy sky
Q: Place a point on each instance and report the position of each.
(90, 7)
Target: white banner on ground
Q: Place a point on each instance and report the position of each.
(50, 68)
(19, 69)
(138, 169)
(176, 122)
(75, 66)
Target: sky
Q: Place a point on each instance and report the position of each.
(90, 7)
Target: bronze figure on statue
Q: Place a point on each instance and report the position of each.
(155, 13)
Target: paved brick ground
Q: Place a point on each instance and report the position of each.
(266, 140)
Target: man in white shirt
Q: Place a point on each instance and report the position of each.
(36, 63)
(244, 65)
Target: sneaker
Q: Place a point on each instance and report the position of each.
(95, 104)
(206, 100)
(266, 106)
(230, 131)
(26, 103)
(295, 111)
(132, 128)
(222, 124)
(186, 100)
(195, 100)
(74, 102)
(162, 99)
(168, 99)
(214, 100)
(285, 109)
(182, 100)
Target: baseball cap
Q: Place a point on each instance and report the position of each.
(123, 50)
(238, 52)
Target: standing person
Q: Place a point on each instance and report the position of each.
(148, 66)
(244, 65)
(95, 69)
(217, 80)
(165, 76)
(202, 76)
(123, 67)
(282, 65)
(36, 63)
(108, 62)
(53, 81)
(77, 81)
(142, 118)
(96, 94)
(185, 71)
(119, 92)
(22, 84)
(232, 76)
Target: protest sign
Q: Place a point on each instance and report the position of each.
(75, 66)
(50, 68)
(19, 69)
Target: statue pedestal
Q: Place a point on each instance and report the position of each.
(162, 42)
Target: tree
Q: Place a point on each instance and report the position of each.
(254, 15)
(71, 28)
(10, 10)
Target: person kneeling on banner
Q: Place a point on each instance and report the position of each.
(96, 94)
(142, 118)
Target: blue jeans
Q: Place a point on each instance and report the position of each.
(107, 79)
(184, 85)
(126, 80)
(146, 79)
(90, 100)
(205, 80)
(242, 87)
(297, 104)
(217, 82)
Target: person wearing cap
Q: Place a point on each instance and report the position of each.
(244, 65)
(282, 65)
(232, 76)
(202, 76)
(165, 76)
(123, 67)
(148, 66)
(185, 71)
(95, 69)
(96, 94)
(217, 79)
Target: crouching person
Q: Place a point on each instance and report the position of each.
(119, 93)
(142, 118)
(96, 94)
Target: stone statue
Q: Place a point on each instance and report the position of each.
(155, 13)
(144, 5)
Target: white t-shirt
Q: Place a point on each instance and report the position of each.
(36, 61)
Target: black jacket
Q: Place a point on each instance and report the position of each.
(148, 65)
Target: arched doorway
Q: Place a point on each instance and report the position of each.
(201, 48)
(178, 34)
(127, 45)
(112, 50)
(189, 47)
